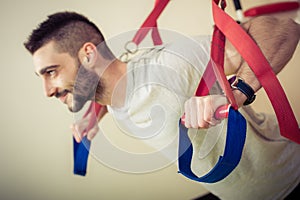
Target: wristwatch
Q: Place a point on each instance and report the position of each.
(239, 84)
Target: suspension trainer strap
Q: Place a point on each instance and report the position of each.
(236, 128)
(151, 23)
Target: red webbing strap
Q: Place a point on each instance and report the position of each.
(272, 8)
(156, 36)
(95, 109)
(150, 23)
(252, 54)
(215, 68)
(207, 81)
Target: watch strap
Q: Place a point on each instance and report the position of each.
(246, 89)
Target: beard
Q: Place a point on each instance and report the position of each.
(88, 86)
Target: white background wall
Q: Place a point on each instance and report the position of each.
(35, 143)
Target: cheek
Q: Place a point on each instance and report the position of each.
(67, 79)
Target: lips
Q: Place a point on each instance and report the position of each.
(63, 97)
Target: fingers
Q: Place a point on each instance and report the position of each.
(80, 129)
(199, 112)
(75, 133)
(194, 113)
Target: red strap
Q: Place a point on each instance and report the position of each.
(150, 23)
(215, 68)
(155, 36)
(262, 69)
(272, 8)
(94, 109)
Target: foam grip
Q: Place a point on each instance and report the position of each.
(221, 113)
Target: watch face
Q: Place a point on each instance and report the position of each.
(234, 81)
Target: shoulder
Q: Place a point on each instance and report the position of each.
(198, 46)
(179, 53)
(187, 51)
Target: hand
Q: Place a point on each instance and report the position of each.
(200, 111)
(81, 127)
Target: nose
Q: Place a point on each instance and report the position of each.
(49, 89)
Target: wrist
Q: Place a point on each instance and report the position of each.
(243, 93)
(240, 97)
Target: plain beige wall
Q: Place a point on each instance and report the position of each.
(36, 145)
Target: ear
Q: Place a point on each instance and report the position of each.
(88, 55)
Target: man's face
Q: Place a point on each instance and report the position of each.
(63, 78)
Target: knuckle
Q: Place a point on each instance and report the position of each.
(202, 124)
(207, 118)
(208, 100)
(194, 126)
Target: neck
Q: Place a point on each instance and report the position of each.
(113, 77)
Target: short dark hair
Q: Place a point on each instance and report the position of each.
(70, 31)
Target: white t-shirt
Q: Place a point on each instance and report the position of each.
(160, 80)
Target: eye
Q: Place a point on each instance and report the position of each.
(51, 72)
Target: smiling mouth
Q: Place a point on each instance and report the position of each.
(62, 96)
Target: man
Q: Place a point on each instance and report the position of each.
(75, 65)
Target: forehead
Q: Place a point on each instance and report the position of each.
(48, 55)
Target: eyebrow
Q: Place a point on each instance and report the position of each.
(45, 69)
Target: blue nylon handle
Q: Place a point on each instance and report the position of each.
(236, 134)
(235, 140)
(81, 154)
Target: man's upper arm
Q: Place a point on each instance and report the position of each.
(277, 38)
